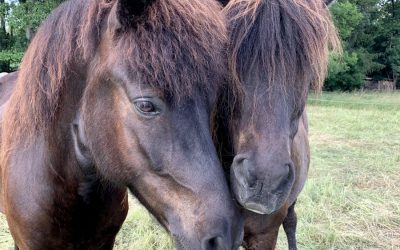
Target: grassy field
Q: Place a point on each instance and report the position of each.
(352, 197)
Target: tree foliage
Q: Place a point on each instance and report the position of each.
(18, 21)
(370, 30)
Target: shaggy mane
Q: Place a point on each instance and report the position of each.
(177, 45)
(289, 40)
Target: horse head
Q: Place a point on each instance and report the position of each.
(135, 82)
(146, 114)
(278, 50)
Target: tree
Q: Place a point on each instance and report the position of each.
(370, 30)
(18, 22)
(389, 40)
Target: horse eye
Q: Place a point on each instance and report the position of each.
(146, 107)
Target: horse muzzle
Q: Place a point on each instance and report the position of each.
(263, 190)
(217, 241)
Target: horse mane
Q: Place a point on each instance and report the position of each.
(179, 49)
(288, 40)
(177, 46)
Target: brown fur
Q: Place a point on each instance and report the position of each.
(277, 50)
(75, 138)
(289, 38)
(71, 39)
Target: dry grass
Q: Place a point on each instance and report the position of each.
(352, 197)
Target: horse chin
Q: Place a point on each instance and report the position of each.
(260, 208)
(261, 203)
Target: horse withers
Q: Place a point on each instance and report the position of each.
(277, 49)
(114, 94)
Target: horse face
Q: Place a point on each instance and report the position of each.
(262, 172)
(278, 49)
(157, 144)
(165, 155)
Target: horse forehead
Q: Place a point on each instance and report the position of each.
(263, 98)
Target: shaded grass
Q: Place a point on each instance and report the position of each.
(352, 196)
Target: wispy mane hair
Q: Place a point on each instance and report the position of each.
(176, 46)
(288, 40)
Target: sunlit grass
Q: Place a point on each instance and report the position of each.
(352, 196)
(140, 231)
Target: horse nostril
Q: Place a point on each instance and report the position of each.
(214, 243)
(239, 159)
(284, 181)
(287, 170)
(243, 168)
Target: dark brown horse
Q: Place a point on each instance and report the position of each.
(114, 94)
(277, 50)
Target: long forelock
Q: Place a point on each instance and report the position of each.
(177, 47)
(288, 41)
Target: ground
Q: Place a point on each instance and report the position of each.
(352, 196)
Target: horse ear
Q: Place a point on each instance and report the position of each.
(127, 10)
(329, 2)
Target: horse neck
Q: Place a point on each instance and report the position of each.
(54, 143)
(58, 137)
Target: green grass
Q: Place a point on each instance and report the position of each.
(357, 100)
(140, 231)
(352, 196)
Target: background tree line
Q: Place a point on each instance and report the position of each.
(370, 30)
(18, 21)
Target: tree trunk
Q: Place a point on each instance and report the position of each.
(393, 9)
(2, 20)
